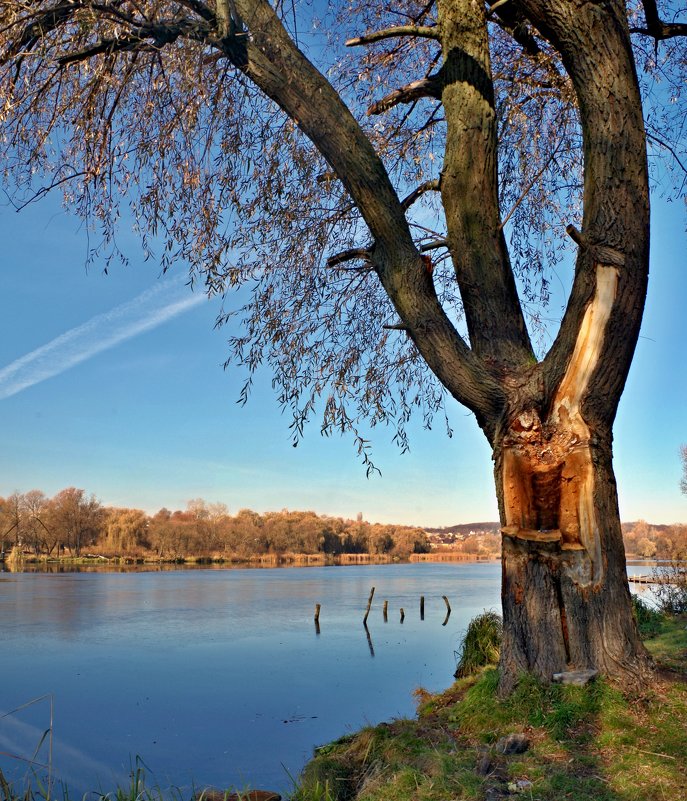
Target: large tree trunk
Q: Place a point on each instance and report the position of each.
(566, 602)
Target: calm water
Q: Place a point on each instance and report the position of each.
(218, 677)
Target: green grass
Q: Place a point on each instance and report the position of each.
(481, 644)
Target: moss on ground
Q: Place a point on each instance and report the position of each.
(594, 743)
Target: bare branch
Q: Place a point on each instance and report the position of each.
(426, 87)
(528, 189)
(423, 31)
(427, 186)
(655, 27)
(433, 245)
(349, 255)
(667, 147)
(161, 34)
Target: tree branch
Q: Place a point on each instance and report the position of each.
(655, 27)
(200, 8)
(425, 87)
(349, 255)
(423, 31)
(41, 25)
(161, 34)
(427, 186)
(510, 19)
(433, 245)
(271, 60)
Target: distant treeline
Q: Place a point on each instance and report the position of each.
(652, 541)
(75, 523)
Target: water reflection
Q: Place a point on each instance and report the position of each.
(213, 676)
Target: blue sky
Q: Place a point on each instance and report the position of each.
(114, 383)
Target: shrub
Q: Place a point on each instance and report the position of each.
(481, 645)
(648, 618)
(671, 587)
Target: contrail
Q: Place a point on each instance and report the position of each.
(149, 310)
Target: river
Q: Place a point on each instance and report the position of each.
(217, 677)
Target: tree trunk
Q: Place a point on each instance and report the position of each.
(566, 601)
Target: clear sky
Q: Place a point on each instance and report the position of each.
(114, 384)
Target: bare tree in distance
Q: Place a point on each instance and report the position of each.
(683, 480)
(395, 215)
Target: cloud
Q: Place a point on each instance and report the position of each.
(149, 310)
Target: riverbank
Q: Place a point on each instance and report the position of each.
(18, 560)
(595, 743)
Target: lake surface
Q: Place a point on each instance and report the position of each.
(218, 677)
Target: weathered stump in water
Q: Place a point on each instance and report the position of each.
(369, 606)
(448, 610)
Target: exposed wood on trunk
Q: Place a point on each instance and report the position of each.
(557, 586)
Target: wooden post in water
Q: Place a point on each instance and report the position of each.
(369, 606)
(403, 614)
(422, 607)
(448, 610)
(385, 611)
(317, 613)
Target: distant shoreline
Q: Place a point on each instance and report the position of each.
(15, 561)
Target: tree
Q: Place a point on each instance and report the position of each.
(683, 481)
(74, 518)
(11, 520)
(394, 258)
(125, 529)
(34, 505)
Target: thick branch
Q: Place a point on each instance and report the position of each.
(434, 245)
(595, 46)
(272, 61)
(469, 190)
(427, 186)
(655, 27)
(510, 19)
(425, 87)
(159, 34)
(423, 31)
(349, 255)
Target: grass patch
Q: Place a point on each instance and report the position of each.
(649, 620)
(669, 645)
(481, 645)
